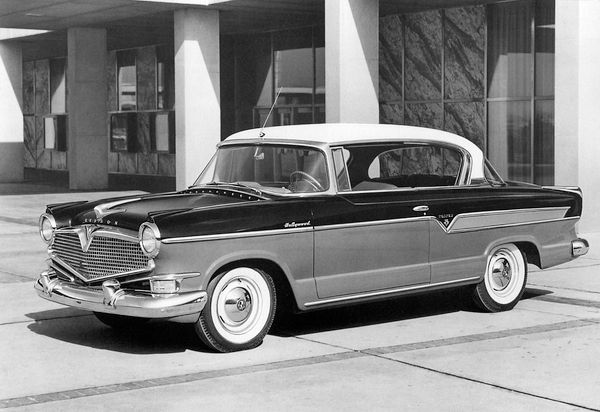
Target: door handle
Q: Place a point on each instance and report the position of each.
(422, 208)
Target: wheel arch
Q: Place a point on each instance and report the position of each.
(528, 245)
(281, 278)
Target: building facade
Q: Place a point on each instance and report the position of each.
(136, 94)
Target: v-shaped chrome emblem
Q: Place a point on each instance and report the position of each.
(86, 234)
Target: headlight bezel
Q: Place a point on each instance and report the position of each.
(151, 229)
(47, 217)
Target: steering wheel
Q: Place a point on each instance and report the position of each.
(314, 183)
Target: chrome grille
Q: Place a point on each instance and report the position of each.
(106, 256)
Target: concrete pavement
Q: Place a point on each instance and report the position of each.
(417, 353)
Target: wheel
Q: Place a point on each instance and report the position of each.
(239, 310)
(120, 321)
(299, 175)
(504, 280)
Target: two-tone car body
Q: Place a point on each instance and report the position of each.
(308, 217)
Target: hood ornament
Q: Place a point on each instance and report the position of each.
(106, 209)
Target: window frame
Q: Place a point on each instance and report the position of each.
(463, 178)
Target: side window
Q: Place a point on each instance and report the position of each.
(403, 165)
(341, 172)
(418, 160)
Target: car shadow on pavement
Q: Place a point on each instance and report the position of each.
(84, 329)
(391, 310)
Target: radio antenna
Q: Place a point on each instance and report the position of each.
(261, 134)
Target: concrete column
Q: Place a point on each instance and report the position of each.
(197, 92)
(87, 157)
(11, 131)
(577, 88)
(352, 61)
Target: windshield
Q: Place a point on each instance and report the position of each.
(270, 168)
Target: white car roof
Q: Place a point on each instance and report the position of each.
(333, 134)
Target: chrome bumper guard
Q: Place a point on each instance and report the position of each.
(579, 247)
(112, 299)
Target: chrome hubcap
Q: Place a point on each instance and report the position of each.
(238, 305)
(241, 305)
(501, 274)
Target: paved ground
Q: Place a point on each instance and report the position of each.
(418, 353)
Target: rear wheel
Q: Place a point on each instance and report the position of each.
(504, 280)
(119, 321)
(239, 311)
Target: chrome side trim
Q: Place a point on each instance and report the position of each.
(501, 218)
(372, 223)
(524, 219)
(533, 222)
(388, 292)
(221, 236)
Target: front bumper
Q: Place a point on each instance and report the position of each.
(111, 299)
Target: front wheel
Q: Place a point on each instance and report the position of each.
(239, 311)
(504, 279)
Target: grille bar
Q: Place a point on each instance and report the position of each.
(106, 256)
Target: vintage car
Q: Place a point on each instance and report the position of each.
(303, 218)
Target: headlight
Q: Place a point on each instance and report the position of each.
(47, 227)
(149, 237)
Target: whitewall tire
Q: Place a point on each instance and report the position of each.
(239, 311)
(504, 279)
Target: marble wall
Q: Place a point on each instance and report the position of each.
(423, 53)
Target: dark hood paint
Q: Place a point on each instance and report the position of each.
(148, 208)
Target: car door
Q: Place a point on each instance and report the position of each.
(373, 235)
(369, 242)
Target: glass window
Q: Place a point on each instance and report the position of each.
(280, 169)
(341, 172)
(49, 133)
(127, 86)
(163, 132)
(509, 138)
(164, 78)
(544, 48)
(521, 101)
(123, 132)
(509, 50)
(58, 86)
(390, 166)
(544, 142)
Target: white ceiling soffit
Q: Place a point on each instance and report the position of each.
(61, 14)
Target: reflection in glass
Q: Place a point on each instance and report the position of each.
(58, 86)
(509, 139)
(164, 78)
(509, 50)
(544, 142)
(544, 48)
(123, 132)
(126, 80)
(49, 133)
(272, 168)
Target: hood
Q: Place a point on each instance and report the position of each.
(130, 212)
